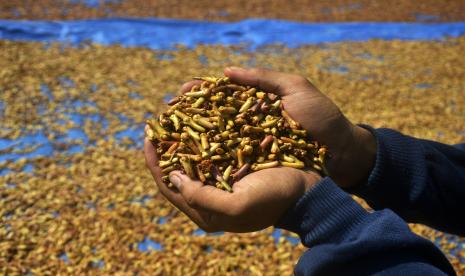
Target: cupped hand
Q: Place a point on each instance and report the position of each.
(352, 148)
(258, 200)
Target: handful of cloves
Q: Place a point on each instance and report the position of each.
(220, 131)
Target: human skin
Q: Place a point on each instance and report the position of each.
(259, 199)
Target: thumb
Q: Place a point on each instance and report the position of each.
(206, 197)
(183, 183)
(268, 80)
(187, 187)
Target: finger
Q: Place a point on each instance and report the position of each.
(186, 87)
(151, 159)
(268, 80)
(206, 197)
(200, 217)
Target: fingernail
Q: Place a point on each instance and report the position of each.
(176, 180)
(235, 68)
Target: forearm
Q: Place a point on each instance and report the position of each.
(422, 181)
(345, 239)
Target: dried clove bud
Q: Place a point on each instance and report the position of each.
(219, 131)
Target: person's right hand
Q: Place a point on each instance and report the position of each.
(352, 148)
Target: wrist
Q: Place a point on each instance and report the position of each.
(309, 179)
(354, 159)
(366, 153)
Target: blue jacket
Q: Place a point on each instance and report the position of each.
(413, 180)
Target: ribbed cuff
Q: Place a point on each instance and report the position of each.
(324, 214)
(399, 162)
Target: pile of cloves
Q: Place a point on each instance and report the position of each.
(220, 131)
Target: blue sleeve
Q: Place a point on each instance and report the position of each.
(346, 239)
(420, 180)
(460, 147)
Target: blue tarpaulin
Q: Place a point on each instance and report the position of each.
(166, 33)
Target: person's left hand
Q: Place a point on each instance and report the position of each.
(258, 200)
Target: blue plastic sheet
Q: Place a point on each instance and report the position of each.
(94, 3)
(149, 245)
(166, 33)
